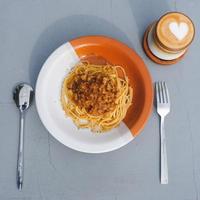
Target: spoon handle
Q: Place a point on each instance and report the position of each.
(20, 161)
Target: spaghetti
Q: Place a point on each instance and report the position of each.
(96, 96)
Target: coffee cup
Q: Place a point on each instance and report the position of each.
(166, 41)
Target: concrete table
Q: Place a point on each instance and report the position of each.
(29, 31)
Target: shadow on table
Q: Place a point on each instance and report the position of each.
(147, 11)
(66, 29)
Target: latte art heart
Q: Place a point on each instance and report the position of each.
(179, 30)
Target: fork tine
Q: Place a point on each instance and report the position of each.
(164, 92)
(160, 92)
(167, 92)
(157, 93)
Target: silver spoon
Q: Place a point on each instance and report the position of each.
(23, 96)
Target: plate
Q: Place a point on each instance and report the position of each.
(48, 89)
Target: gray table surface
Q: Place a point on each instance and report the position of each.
(29, 31)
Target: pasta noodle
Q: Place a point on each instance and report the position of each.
(96, 96)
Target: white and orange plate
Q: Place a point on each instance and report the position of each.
(58, 65)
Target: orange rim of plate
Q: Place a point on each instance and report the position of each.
(117, 53)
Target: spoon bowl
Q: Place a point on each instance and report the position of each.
(23, 96)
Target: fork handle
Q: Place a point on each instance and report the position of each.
(163, 154)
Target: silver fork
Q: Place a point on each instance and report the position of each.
(163, 108)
